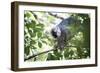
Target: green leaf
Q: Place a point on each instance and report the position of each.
(40, 25)
(28, 14)
(30, 32)
(33, 35)
(40, 44)
(32, 42)
(52, 57)
(35, 30)
(34, 47)
(27, 25)
(27, 50)
(66, 54)
(33, 24)
(42, 57)
(58, 54)
(39, 29)
(39, 34)
(43, 41)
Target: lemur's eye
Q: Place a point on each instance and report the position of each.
(54, 34)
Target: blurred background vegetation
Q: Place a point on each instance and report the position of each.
(37, 36)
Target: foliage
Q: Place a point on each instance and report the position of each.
(37, 36)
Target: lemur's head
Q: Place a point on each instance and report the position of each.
(56, 32)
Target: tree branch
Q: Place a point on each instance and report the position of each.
(55, 15)
(34, 55)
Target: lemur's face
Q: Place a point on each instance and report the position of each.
(56, 32)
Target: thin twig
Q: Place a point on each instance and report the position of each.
(55, 15)
(34, 55)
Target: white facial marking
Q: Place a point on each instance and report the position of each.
(57, 29)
